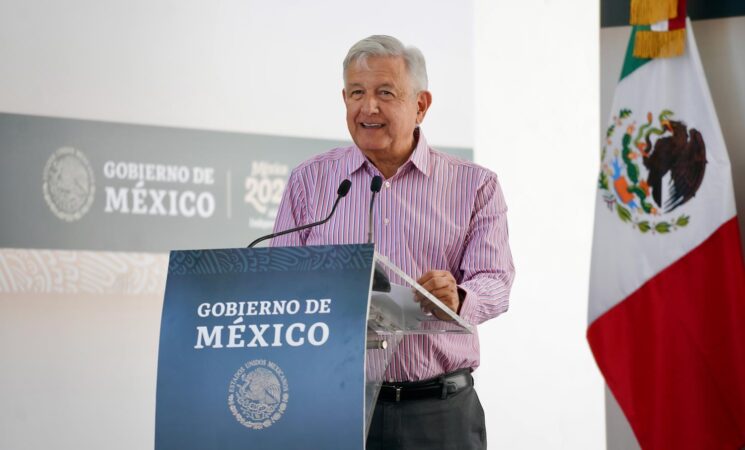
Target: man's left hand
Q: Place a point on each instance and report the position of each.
(442, 285)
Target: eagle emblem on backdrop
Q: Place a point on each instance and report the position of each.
(69, 185)
(650, 168)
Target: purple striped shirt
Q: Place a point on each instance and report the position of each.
(437, 212)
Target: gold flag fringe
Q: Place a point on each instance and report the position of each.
(647, 12)
(659, 44)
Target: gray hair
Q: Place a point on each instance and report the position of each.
(381, 45)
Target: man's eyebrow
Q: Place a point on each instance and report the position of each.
(384, 86)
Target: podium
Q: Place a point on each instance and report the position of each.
(282, 347)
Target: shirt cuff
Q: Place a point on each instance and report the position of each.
(468, 304)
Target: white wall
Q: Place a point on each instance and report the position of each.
(239, 65)
(247, 66)
(536, 126)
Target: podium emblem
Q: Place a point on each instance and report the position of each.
(258, 394)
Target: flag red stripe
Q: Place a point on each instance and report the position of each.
(673, 352)
(680, 19)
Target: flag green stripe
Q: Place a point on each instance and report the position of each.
(630, 62)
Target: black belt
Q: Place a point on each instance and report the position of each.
(440, 387)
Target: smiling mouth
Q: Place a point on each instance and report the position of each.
(371, 125)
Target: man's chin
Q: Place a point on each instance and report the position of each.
(368, 146)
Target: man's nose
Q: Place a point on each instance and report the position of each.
(370, 105)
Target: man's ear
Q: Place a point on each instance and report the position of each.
(423, 102)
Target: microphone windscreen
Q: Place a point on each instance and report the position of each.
(344, 188)
(376, 183)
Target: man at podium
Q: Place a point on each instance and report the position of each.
(439, 218)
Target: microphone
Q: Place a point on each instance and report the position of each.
(340, 193)
(375, 185)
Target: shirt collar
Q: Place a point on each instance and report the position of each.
(419, 158)
(356, 159)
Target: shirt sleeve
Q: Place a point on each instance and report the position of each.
(487, 268)
(292, 213)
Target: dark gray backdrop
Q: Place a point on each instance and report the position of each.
(249, 172)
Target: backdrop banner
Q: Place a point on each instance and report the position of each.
(264, 348)
(87, 185)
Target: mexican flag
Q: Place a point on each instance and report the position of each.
(667, 289)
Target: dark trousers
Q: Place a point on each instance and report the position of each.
(455, 423)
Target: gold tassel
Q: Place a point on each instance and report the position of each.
(647, 12)
(659, 44)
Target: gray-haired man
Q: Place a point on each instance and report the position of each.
(441, 219)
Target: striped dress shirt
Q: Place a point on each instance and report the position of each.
(437, 212)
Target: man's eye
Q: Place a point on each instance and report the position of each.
(386, 93)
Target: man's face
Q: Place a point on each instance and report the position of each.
(382, 108)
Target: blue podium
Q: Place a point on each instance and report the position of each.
(280, 348)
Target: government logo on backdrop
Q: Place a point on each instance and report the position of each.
(69, 184)
(651, 169)
(258, 394)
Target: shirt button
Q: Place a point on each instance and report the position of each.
(385, 221)
(387, 184)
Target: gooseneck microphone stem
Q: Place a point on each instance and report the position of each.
(375, 188)
(381, 283)
(341, 193)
